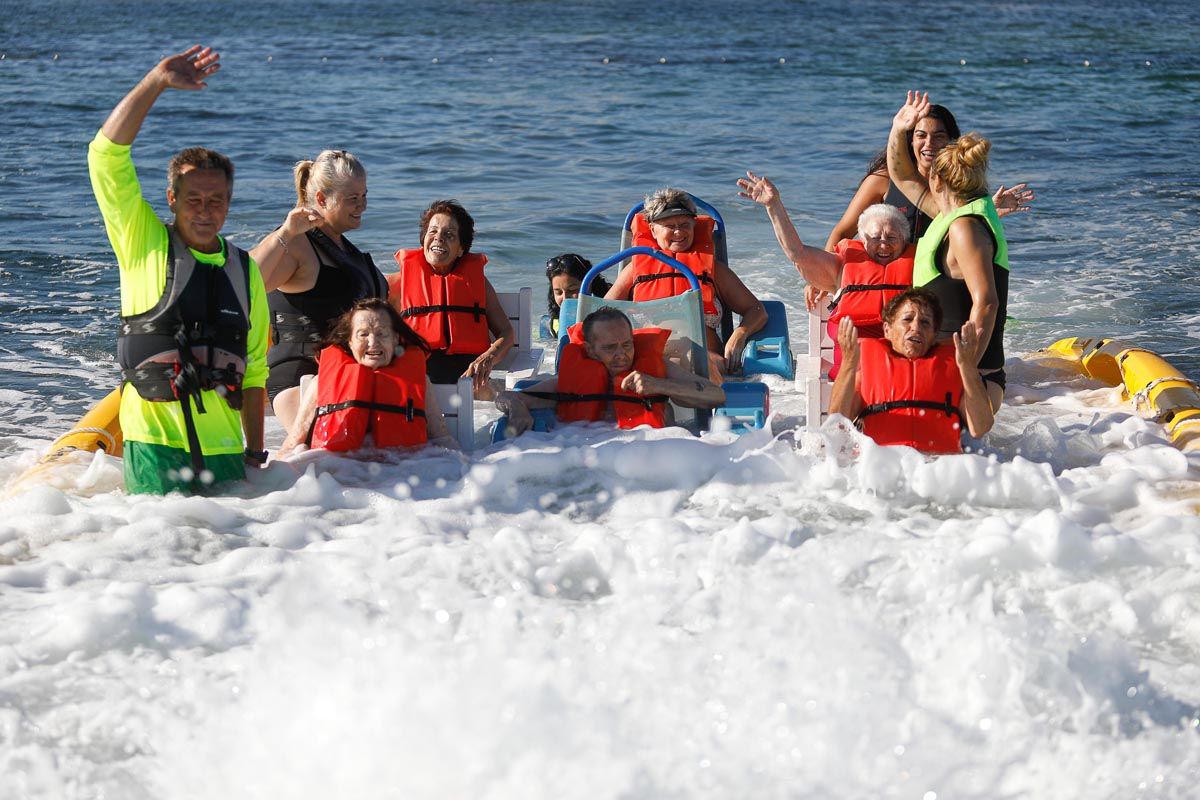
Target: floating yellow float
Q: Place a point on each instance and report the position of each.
(1155, 387)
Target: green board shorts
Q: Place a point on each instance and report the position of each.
(158, 469)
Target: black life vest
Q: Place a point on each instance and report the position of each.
(194, 338)
(300, 320)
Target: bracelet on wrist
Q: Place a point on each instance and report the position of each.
(282, 241)
(258, 455)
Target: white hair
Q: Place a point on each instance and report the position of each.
(883, 214)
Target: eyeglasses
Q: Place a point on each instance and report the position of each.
(888, 238)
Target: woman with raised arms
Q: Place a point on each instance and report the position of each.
(963, 256)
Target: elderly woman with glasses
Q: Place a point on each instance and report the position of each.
(865, 272)
(675, 229)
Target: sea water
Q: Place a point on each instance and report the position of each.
(599, 614)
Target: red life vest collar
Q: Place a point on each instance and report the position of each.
(585, 387)
(656, 280)
(867, 286)
(914, 401)
(448, 311)
(352, 399)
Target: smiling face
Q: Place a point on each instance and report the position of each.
(200, 206)
(343, 207)
(929, 137)
(372, 338)
(674, 234)
(912, 330)
(564, 287)
(611, 343)
(883, 241)
(441, 243)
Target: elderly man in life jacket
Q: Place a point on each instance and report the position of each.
(609, 371)
(907, 389)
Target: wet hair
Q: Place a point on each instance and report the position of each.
(882, 212)
(198, 158)
(667, 200)
(466, 224)
(343, 326)
(329, 171)
(921, 298)
(577, 267)
(878, 162)
(606, 314)
(877, 165)
(963, 165)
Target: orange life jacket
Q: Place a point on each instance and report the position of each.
(585, 388)
(911, 401)
(352, 399)
(867, 286)
(448, 311)
(656, 280)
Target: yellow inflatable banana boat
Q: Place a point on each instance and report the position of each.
(98, 429)
(1155, 387)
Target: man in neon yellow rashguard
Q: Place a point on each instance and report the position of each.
(194, 317)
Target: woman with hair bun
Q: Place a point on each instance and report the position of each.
(312, 272)
(963, 256)
(931, 133)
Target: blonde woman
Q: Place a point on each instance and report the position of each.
(963, 256)
(311, 270)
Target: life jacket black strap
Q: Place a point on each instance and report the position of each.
(867, 287)
(648, 401)
(193, 437)
(678, 276)
(477, 311)
(947, 407)
(409, 410)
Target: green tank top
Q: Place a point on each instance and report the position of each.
(925, 268)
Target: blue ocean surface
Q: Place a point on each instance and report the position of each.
(549, 120)
(592, 613)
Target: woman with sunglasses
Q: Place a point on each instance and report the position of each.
(935, 130)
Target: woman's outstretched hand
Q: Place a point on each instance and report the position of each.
(1010, 201)
(758, 188)
(915, 108)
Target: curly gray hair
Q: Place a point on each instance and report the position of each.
(668, 202)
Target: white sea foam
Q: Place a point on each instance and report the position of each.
(591, 613)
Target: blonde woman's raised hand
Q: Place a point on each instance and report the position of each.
(1011, 200)
(300, 220)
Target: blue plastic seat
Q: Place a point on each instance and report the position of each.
(770, 351)
(747, 405)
